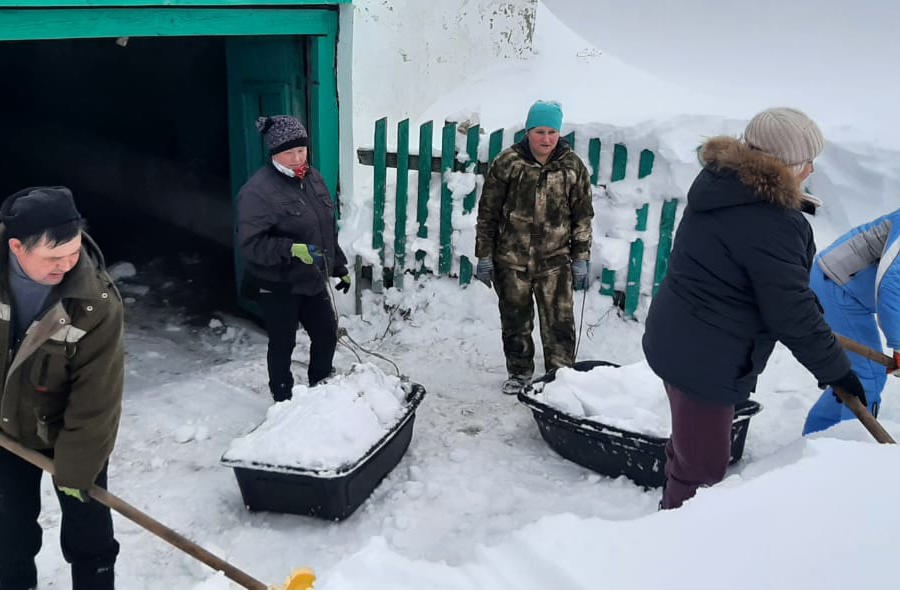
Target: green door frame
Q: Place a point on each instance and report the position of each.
(115, 19)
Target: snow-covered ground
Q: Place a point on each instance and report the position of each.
(480, 500)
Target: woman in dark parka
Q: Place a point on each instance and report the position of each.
(738, 281)
(288, 238)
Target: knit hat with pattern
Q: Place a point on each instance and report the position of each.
(785, 133)
(282, 132)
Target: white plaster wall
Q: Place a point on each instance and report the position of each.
(397, 57)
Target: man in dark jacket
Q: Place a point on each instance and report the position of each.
(288, 238)
(738, 281)
(533, 241)
(61, 327)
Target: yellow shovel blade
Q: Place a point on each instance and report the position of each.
(300, 579)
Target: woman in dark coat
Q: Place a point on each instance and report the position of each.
(738, 281)
(288, 238)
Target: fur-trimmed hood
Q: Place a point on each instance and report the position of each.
(741, 175)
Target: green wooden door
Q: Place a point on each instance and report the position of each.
(266, 76)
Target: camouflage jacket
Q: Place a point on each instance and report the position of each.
(534, 217)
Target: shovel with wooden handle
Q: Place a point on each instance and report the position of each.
(300, 579)
(852, 402)
(862, 350)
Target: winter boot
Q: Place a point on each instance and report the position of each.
(514, 384)
(322, 380)
(93, 577)
(281, 391)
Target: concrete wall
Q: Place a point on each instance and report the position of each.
(397, 57)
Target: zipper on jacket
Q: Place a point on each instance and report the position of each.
(42, 376)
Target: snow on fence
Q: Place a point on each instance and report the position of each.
(451, 206)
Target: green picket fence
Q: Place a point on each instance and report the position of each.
(426, 166)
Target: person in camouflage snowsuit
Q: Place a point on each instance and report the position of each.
(533, 242)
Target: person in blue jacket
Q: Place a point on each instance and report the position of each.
(857, 281)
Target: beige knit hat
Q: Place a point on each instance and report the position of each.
(785, 133)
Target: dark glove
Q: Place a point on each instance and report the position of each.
(484, 271)
(80, 495)
(849, 384)
(344, 284)
(580, 271)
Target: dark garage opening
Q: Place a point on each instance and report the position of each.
(139, 131)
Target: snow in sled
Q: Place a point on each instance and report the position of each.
(323, 452)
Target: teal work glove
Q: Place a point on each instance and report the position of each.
(307, 253)
(344, 285)
(80, 495)
(580, 271)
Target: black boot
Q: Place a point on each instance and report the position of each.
(93, 577)
(281, 391)
(18, 577)
(315, 382)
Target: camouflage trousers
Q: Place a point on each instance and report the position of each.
(518, 292)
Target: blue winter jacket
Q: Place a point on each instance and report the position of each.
(864, 262)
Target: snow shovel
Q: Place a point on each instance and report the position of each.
(300, 579)
(871, 354)
(852, 402)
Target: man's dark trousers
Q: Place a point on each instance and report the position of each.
(86, 530)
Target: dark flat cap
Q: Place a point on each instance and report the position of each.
(35, 210)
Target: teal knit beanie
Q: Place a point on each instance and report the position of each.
(544, 113)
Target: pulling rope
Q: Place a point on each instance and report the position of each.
(580, 323)
(341, 332)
